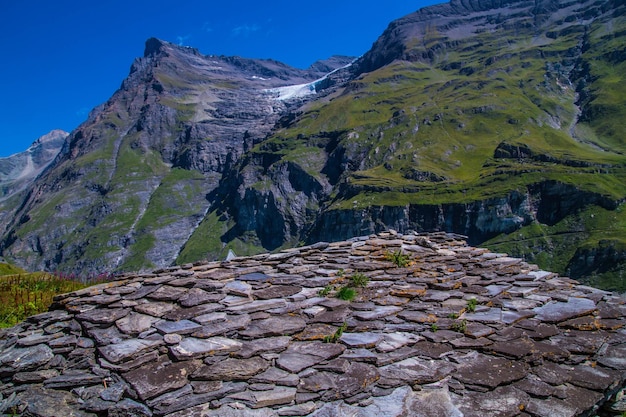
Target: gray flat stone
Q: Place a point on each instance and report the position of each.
(127, 349)
(257, 305)
(191, 347)
(276, 376)
(159, 377)
(26, 359)
(232, 369)
(274, 326)
(258, 346)
(556, 312)
(417, 371)
(361, 340)
(135, 323)
(103, 315)
(490, 371)
(179, 327)
(378, 313)
(155, 309)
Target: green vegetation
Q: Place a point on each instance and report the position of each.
(26, 294)
(459, 326)
(555, 247)
(346, 293)
(325, 291)
(400, 259)
(337, 335)
(471, 305)
(359, 279)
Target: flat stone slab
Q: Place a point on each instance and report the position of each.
(274, 326)
(191, 347)
(556, 312)
(179, 327)
(232, 369)
(135, 323)
(127, 349)
(159, 377)
(255, 337)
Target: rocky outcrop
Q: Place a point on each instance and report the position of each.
(155, 150)
(446, 330)
(18, 171)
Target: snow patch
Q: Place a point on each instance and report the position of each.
(299, 90)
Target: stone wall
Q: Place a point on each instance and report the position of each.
(268, 336)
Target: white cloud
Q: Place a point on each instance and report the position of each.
(180, 40)
(245, 30)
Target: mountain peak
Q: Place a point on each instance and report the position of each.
(154, 46)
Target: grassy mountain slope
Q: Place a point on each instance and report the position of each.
(531, 107)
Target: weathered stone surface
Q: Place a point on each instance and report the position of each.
(179, 327)
(274, 326)
(20, 360)
(135, 323)
(102, 315)
(556, 312)
(232, 369)
(361, 340)
(270, 344)
(191, 347)
(127, 349)
(49, 402)
(225, 339)
(159, 377)
(490, 371)
(416, 371)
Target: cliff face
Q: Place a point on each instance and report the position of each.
(18, 171)
(131, 184)
(500, 120)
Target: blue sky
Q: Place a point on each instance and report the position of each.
(62, 58)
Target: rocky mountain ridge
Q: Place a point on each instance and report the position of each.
(19, 170)
(450, 331)
(499, 120)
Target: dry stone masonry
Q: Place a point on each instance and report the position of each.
(459, 331)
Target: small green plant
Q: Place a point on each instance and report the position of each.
(460, 326)
(359, 280)
(325, 291)
(346, 293)
(341, 272)
(335, 336)
(400, 259)
(471, 305)
(434, 327)
(453, 316)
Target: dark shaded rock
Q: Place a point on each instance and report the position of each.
(42, 402)
(129, 408)
(232, 369)
(490, 371)
(26, 359)
(159, 377)
(255, 347)
(73, 380)
(274, 326)
(276, 291)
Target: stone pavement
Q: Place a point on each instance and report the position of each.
(459, 331)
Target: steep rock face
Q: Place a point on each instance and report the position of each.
(478, 117)
(19, 170)
(131, 186)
